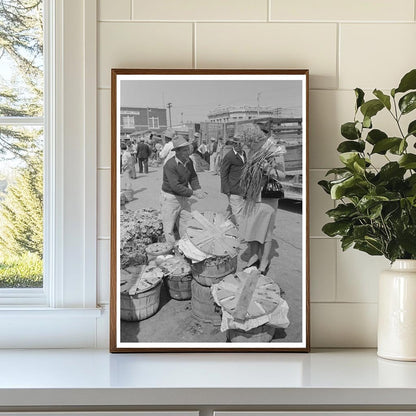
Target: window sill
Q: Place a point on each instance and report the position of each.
(37, 327)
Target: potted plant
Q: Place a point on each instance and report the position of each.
(376, 206)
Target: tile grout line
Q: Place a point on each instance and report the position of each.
(269, 11)
(194, 62)
(131, 9)
(336, 271)
(225, 21)
(338, 63)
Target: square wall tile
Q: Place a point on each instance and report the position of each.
(323, 269)
(103, 271)
(343, 325)
(200, 10)
(104, 202)
(257, 45)
(114, 10)
(357, 275)
(342, 10)
(376, 55)
(328, 110)
(104, 129)
(319, 203)
(142, 45)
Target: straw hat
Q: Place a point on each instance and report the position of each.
(179, 142)
(170, 133)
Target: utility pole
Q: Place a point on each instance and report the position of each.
(258, 104)
(169, 106)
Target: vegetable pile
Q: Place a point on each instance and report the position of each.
(137, 230)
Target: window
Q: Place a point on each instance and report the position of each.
(63, 313)
(128, 121)
(153, 122)
(22, 132)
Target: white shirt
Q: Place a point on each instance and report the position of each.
(167, 152)
(240, 155)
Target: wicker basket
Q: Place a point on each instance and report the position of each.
(203, 306)
(263, 333)
(141, 305)
(179, 287)
(158, 249)
(207, 272)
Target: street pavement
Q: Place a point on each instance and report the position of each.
(174, 322)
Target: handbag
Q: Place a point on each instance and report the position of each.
(272, 189)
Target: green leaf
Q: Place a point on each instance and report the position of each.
(393, 250)
(359, 95)
(375, 135)
(375, 212)
(407, 240)
(350, 187)
(369, 201)
(391, 170)
(398, 149)
(408, 161)
(333, 229)
(325, 186)
(349, 131)
(367, 122)
(349, 146)
(383, 145)
(408, 102)
(359, 165)
(385, 99)
(361, 231)
(338, 171)
(368, 248)
(342, 211)
(348, 158)
(346, 242)
(411, 130)
(408, 82)
(371, 108)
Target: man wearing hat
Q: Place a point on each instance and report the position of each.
(180, 182)
(166, 153)
(231, 169)
(143, 153)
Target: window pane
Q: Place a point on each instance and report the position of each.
(21, 207)
(21, 58)
(21, 143)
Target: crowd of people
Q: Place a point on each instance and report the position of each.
(243, 177)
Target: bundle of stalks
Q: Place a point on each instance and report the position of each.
(259, 165)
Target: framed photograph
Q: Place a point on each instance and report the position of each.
(209, 211)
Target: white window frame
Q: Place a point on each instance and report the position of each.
(128, 121)
(153, 122)
(69, 293)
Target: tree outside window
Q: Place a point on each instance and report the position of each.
(21, 143)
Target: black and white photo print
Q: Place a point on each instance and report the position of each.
(209, 232)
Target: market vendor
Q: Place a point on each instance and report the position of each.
(180, 182)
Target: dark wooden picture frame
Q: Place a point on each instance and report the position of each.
(151, 313)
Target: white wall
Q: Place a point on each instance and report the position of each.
(345, 44)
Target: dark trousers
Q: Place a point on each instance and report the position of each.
(143, 163)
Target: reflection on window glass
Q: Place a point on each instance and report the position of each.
(21, 143)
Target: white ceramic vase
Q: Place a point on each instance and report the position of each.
(397, 312)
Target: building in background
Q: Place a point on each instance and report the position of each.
(234, 113)
(135, 121)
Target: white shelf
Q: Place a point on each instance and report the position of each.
(56, 378)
